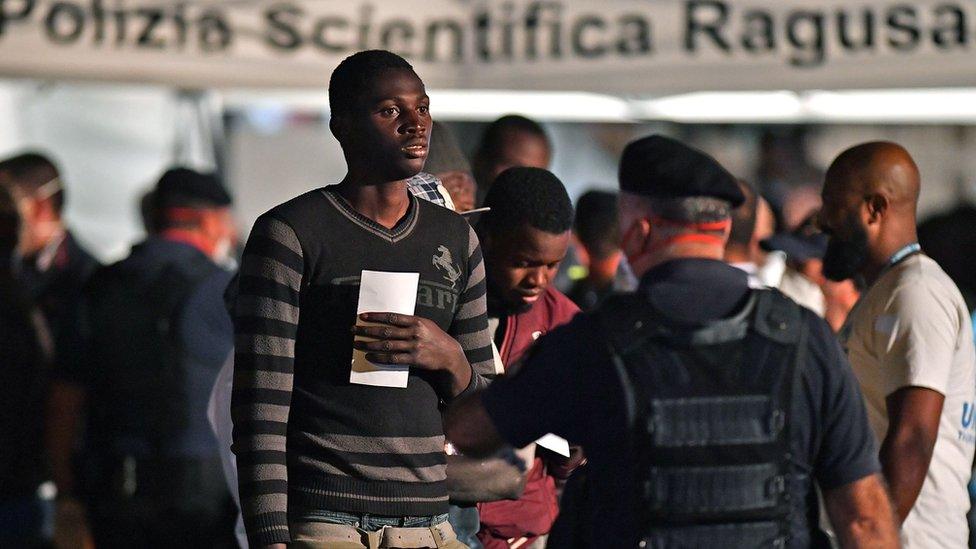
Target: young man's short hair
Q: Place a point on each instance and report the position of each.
(29, 171)
(596, 223)
(497, 133)
(532, 196)
(355, 74)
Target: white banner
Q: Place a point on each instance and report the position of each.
(639, 47)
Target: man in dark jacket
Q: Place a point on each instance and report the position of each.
(25, 353)
(156, 333)
(51, 263)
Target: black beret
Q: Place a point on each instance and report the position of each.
(662, 167)
(184, 187)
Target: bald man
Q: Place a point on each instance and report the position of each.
(908, 339)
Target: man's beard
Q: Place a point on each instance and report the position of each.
(845, 256)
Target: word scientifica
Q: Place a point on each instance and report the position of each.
(508, 31)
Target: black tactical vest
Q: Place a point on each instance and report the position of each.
(139, 389)
(708, 408)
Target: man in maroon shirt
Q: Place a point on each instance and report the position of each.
(525, 237)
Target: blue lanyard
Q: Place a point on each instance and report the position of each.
(901, 254)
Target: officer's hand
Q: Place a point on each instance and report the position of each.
(71, 525)
(275, 546)
(405, 339)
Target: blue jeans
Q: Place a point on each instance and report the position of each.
(466, 523)
(368, 522)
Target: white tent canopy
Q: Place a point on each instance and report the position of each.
(618, 47)
(735, 61)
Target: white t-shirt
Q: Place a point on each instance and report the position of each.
(911, 328)
(804, 291)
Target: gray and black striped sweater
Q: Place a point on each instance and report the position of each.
(305, 438)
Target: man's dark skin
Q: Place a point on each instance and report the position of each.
(877, 186)
(521, 262)
(520, 149)
(385, 142)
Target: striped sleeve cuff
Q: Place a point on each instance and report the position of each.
(267, 529)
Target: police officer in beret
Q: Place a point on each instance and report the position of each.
(709, 411)
(155, 333)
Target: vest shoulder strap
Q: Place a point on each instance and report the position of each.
(777, 317)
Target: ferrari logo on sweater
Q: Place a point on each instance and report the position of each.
(445, 262)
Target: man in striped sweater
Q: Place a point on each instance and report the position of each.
(321, 461)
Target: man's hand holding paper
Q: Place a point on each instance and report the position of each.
(394, 338)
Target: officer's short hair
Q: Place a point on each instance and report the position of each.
(531, 196)
(354, 76)
(29, 171)
(690, 209)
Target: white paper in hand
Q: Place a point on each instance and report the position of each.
(381, 292)
(554, 443)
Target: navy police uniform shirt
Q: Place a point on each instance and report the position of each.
(569, 387)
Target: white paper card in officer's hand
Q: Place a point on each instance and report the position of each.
(381, 292)
(554, 443)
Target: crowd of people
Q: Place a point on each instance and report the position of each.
(699, 377)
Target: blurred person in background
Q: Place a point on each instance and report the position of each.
(156, 333)
(508, 142)
(771, 265)
(52, 264)
(799, 204)
(742, 245)
(525, 237)
(447, 162)
(597, 238)
(786, 176)
(949, 238)
(49, 262)
(909, 339)
(25, 357)
(804, 249)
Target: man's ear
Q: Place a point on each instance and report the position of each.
(339, 127)
(636, 239)
(877, 205)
